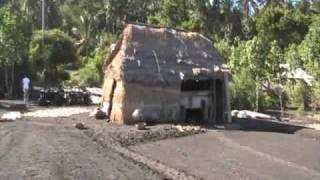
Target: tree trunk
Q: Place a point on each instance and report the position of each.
(6, 80)
(314, 108)
(281, 106)
(11, 84)
(257, 95)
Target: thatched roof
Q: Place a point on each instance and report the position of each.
(150, 55)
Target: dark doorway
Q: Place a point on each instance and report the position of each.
(194, 91)
(196, 85)
(219, 102)
(111, 96)
(194, 115)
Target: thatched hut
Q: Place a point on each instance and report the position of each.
(166, 74)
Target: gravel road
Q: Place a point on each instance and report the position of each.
(50, 149)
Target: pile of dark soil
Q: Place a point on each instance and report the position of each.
(129, 135)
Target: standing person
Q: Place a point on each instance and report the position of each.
(25, 88)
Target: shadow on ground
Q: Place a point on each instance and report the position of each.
(260, 125)
(267, 126)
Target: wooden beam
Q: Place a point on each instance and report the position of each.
(215, 100)
(227, 100)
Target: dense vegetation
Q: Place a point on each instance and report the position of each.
(254, 36)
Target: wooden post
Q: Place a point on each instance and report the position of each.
(227, 99)
(214, 101)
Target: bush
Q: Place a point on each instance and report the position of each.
(242, 91)
(91, 73)
(299, 95)
(268, 101)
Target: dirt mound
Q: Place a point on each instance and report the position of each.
(129, 135)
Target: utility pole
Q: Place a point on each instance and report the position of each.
(43, 29)
(43, 16)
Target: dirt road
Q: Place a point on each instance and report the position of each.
(239, 155)
(48, 149)
(40, 147)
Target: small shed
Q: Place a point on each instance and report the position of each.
(169, 75)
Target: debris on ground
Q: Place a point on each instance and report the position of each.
(130, 135)
(98, 114)
(179, 127)
(57, 96)
(94, 112)
(189, 128)
(10, 116)
(58, 112)
(94, 90)
(250, 114)
(80, 126)
(95, 95)
(141, 126)
(12, 105)
(314, 126)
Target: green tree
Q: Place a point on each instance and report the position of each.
(13, 44)
(242, 89)
(83, 19)
(50, 54)
(175, 13)
(250, 55)
(283, 25)
(275, 73)
(91, 73)
(292, 56)
(309, 49)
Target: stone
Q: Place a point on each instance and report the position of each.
(81, 126)
(141, 126)
(100, 115)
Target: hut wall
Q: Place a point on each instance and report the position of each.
(117, 103)
(159, 104)
(113, 93)
(107, 88)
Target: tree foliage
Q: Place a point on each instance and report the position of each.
(13, 46)
(309, 49)
(51, 52)
(283, 24)
(13, 40)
